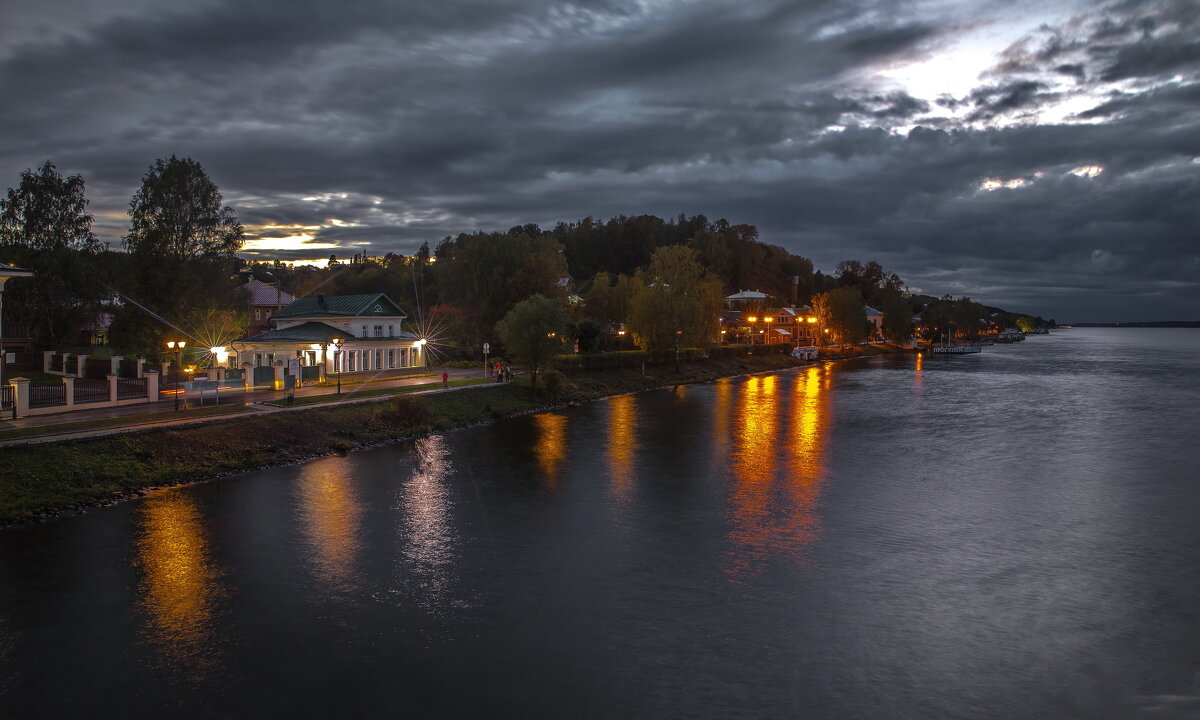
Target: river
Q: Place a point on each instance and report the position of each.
(1014, 534)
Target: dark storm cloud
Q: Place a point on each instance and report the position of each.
(406, 122)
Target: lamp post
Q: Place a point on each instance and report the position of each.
(337, 362)
(677, 334)
(177, 346)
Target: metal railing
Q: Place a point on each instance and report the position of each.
(6, 397)
(46, 395)
(131, 388)
(90, 391)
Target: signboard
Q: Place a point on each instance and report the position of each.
(486, 348)
(294, 367)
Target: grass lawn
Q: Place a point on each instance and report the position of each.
(377, 392)
(122, 421)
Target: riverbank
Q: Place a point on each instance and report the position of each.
(41, 481)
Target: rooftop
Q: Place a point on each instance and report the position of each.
(264, 294)
(316, 332)
(376, 304)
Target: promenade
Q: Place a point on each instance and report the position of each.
(233, 403)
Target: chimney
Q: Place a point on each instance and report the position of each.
(795, 289)
(321, 301)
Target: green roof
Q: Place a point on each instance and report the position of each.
(304, 332)
(316, 332)
(376, 304)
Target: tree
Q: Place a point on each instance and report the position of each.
(177, 213)
(1026, 323)
(842, 313)
(45, 227)
(897, 318)
(676, 301)
(530, 334)
(182, 245)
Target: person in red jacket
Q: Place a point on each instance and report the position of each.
(445, 379)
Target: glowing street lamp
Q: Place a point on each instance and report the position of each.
(337, 362)
(178, 347)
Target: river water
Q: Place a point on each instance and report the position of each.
(1014, 534)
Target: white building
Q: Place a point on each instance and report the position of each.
(338, 333)
(875, 318)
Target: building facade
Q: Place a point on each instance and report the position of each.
(338, 333)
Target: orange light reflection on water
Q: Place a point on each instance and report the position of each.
(773, 505)
(330, 516)
(551, 445)
(622, 443)
(179, 588)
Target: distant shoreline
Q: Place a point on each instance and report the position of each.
(1155, 324)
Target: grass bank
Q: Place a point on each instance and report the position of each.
(37, 481)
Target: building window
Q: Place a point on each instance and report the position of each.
(364, 332)
(390, 334)
(350, 360)
(378, 331)
(378, 359)
(391, 357)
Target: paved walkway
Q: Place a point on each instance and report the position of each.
(162, 413)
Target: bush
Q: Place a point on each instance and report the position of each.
(410, 412)
(552, 381)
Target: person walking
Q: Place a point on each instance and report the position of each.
(445, 379)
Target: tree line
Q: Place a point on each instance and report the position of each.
(179, 272)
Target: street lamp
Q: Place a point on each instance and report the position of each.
(677, 334)
(178, 347)
(337, 362)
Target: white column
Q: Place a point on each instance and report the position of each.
(114, 364)
(152, 385)
(112, 389)
(69, 390)
(81, 365)
(46, 355)
(141, 373)
(20, 388)
(248, 375)
(278, 367)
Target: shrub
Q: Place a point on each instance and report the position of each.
(553, 381)
(407, 411)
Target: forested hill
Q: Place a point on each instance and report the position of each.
(733, 253)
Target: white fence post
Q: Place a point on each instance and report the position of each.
(20, 388)
(112, 389)
(152, 385)
(69, 391)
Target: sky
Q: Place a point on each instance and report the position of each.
(1040, 156)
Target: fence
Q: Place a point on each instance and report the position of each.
(47, 394)
(131, 388)
(310, 372)
(6, 397)
(127, 368)
(90, 391)
(56, 363)
(97, 368)
(234, 374)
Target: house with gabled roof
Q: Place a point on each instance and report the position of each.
(336, 333)
(264, 301)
